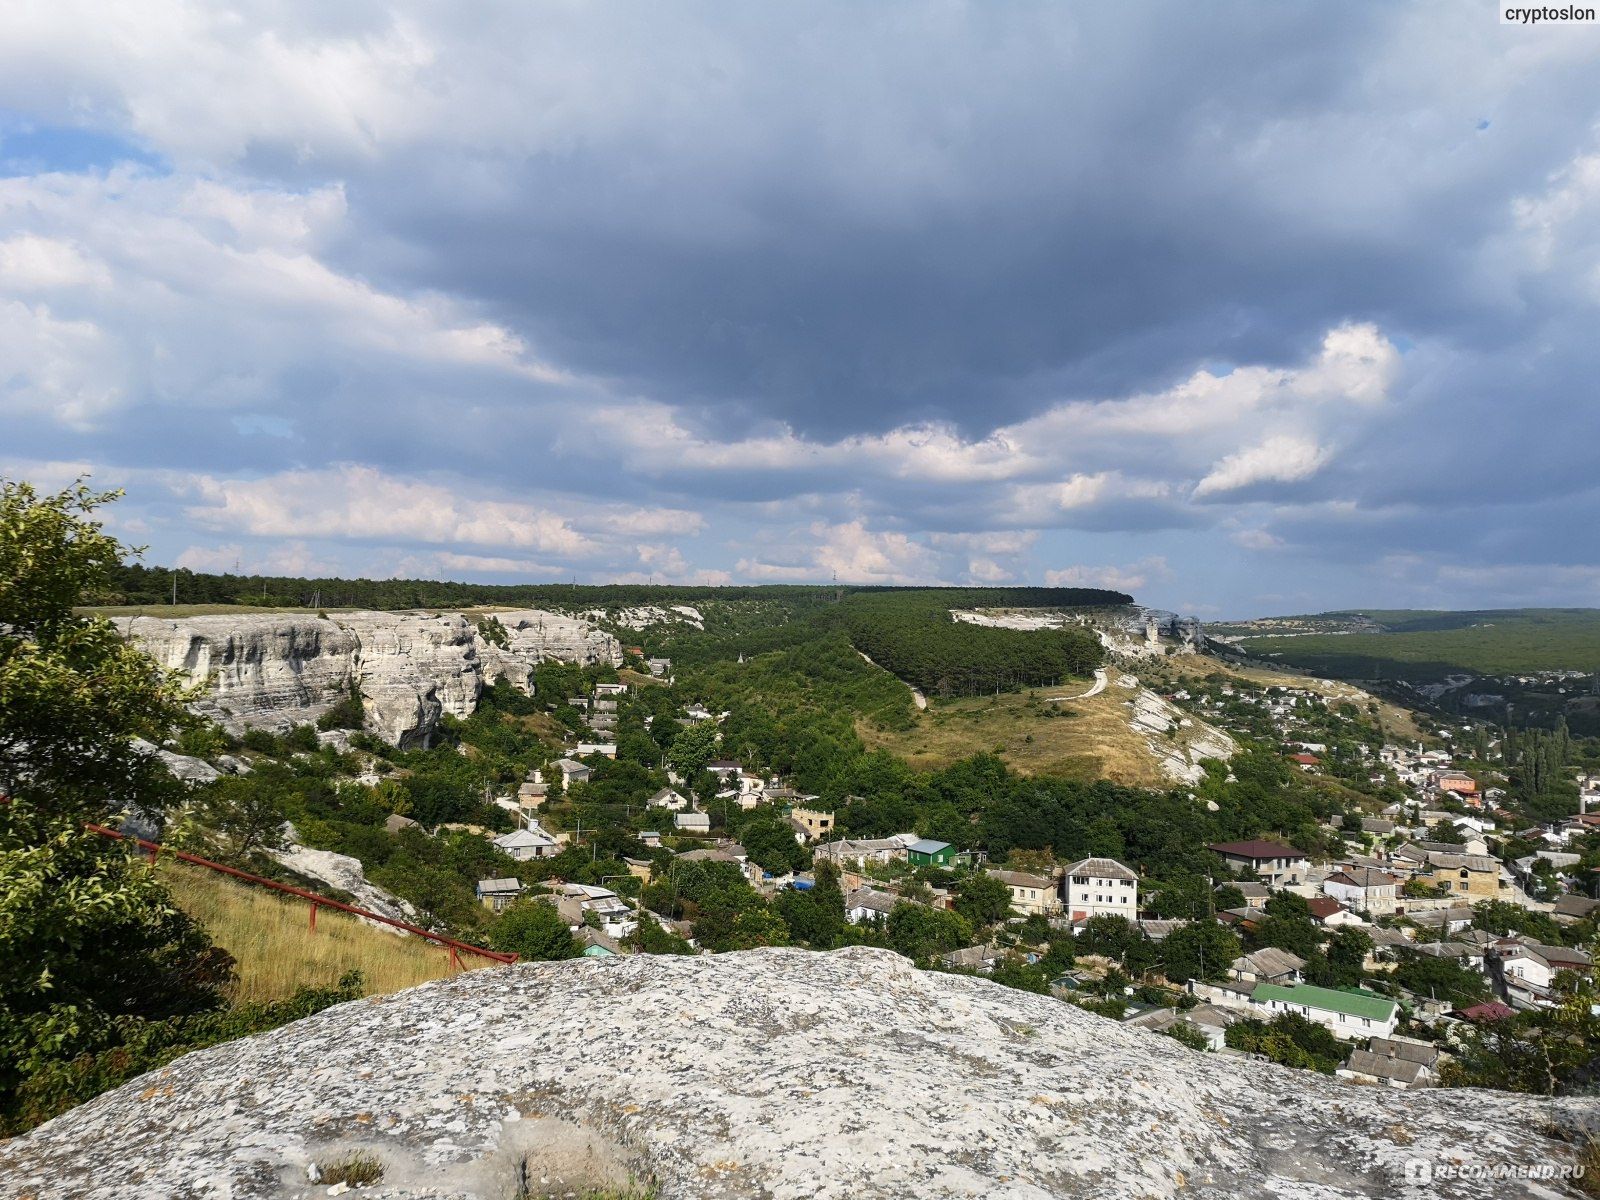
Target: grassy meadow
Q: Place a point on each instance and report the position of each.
(267, 934)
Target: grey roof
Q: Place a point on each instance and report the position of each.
(871, 899)
(1381, 1066)
(1269, 961)
(1101, 868)
(1158, 931)
(1376, 825)
(1575, 906)
(1388, 937)
(491, 886)
(928, 846)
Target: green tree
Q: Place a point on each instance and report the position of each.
(984, 900)
(920, 932)
(90, 942)
(535, 931)
(1441, 979)
(692, 749)
(1201, 951)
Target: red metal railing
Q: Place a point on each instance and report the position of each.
(316, 901)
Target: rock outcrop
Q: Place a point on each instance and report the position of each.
(534, 636)
(777, 1074)
(275, 671)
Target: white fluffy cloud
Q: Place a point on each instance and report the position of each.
(1276, 460)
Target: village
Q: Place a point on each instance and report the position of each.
(1415, 883)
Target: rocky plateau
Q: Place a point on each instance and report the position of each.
(778, 1074)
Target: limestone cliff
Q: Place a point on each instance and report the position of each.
(534, 636)
(278, 670)
(776, 1074)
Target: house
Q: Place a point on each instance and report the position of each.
(1273, 862)
(396, 823)
(1352, 1013)
(497, 894)
(724, 767)
(972, 958)
(523, 844)
(1532, 963)
(1209, 1020)
(1444, 920)
(929, 853)
(868, 904)
(1377, 826)
(1268, 965)
(1358, 887)
(1328, 912)
(659, 668)
(1455, 781)
(640, 868)
(692, 822)
(1098, 887)
(878, 850)
(814, 822)
(604, 749)
(610, 689)
(1474, 875)
(1570, 908)
(670, 799)
(1306, 762)
(573, 772)
(651, 839)
(1030, 894)
(1393, 1062)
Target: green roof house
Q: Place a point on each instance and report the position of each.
(1349, 1013)
(928, 853)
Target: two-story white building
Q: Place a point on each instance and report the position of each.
(1096, 887)
(1349, 1014)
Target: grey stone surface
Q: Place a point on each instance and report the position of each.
(777, 1074)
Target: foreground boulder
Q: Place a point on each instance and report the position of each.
(775, 1073)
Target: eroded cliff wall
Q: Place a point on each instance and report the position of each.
(275, 671)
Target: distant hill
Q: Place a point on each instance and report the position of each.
(1422, 645)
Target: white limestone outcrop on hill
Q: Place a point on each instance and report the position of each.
(275, 671)
(534, 636)
(779, 1074)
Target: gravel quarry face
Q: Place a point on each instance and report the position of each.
(779, 1074)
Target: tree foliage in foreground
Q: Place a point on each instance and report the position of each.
(92, 947)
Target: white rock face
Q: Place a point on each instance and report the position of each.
(776, 1074)
(536, 636)
(344, 873)
(275, 671)
(413, 668)
(265, 670)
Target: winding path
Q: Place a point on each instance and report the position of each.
(1098, 686)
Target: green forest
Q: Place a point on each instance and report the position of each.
(1427, 646)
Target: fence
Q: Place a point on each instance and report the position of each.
(316, 901)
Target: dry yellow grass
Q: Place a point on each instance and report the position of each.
(1093, 743)
(267, 934)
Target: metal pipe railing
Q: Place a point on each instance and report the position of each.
(315, 900)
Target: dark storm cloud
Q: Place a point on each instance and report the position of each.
(965, 214)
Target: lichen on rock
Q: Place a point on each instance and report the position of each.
(779, 1074)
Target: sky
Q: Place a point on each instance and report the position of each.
(1243, 308)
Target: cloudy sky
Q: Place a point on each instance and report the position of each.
(1243, 308)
